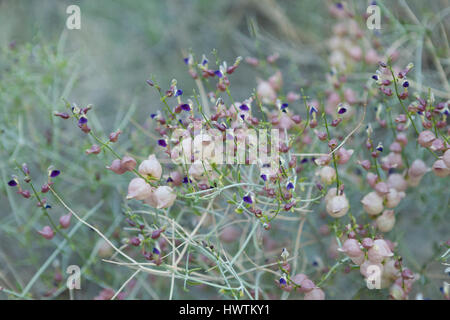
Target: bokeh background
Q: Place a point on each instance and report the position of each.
(106, 63)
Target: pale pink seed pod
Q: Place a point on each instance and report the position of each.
(276, 81)
(440, 169)
(401, 137)
(64, 220)
(386, 221)
(139, 189)
(381, 188)
(371, 179)
(379, 251)
(151, 201)
(164, 196)
(230, 234)
(104, 249)
(396, 147)
(358, 260)
(367, 243)
(151, 167)
(306, 286)
(330, 194)
(352, 248)
(337, 206)
(394, 197)
(344, 155)
(372, 57)
(323, 160)
(417, 169)
(437, 145)
(350, 96)
(298, 278)
(365, 164)
(396, 292)
(413, 181)
(285, 122)
(390, 271)
(397, 182)
(292, 96)
(426, 138)
(116, 167)
(355, 53)
(372, 203)
(265, 92)
(315, 294)
(47, 232)
(177, 178)
(128, 163)
(366, 266)
(446, 158)
(327, 174)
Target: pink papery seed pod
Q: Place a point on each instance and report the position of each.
(306, 286)
(265, 92)
(365, 164)
(64, 221)
(355, 53)
(330, 194)
(395, 147)
(372, 203)
(276, 81)
(394, 197)
(368, 266)
(95, 149)
(315, 294)
(446, 158)
(367, 243)
(151, 167)
(139, 189)
(323, 160)
(371, 179)
(47, 232)
(298, 279)
(440, 169)
(177, 178)
(426, 138)
(327, 174)
(352, 248)
(128, 163)
(402, 139)
(164, 196)
(292, 96)
(350, 96)
(344, 155)
(417, 169)
(371, 57)
(116, 167)
(358, 260)
(396, 292)
(386, 221)
(381, 188)
(337, 206)
(379, 251)
(230, 234)
(390, 271)
(397, 182)
(437, 145)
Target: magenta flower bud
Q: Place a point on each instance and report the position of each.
(426, 138)
(95, 149)
(351, 248)
(157, 233)
(372, 203)
(322, 135)
(385, 222)
(135, 241)
(63, 115)
(440, 169)
(64, 220)
(24, 193)
(45, 188)
(315, 294)
(128, 163)
(116, 167)
(47, 233)
(367, 243)
(382, 188)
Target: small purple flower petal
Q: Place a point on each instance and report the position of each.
(375, 77)
(218, 73)
(284, 106)
(82, 120)
(342, 110)
(244, 107)
(186, 60)
(12, 183)
(185, 107)
(242, 116)
(162, 143)
(405, 84)
(264, 177)
(248, 199)
(156, 251)
(283, 281)
(54, 173)
(313, 110)
(290, 185)
(178, 93)
(153, 115)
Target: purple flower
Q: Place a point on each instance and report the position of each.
(178, 93)
(186, 180)
(304, 160)
(248, 199)
(218, 73)
(186, 60)
(244, 107)
(185, 107)
(313, 109)
(284, 106)
(169, 179)
(342, 110)
(289, 186)
(375, 77)
(156, 251)
(205, 61)
(264, 177)
(54, 173)
(82, 120)
(12, 183)
(283, 281)
(153, 115)
(162, 143)
(242, 116)
(405, 84)
(339, 5)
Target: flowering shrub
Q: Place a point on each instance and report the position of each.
(222, 197)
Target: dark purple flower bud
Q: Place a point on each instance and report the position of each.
(186, 180)
(135, 241)
(405, 84)
(82, 120)
(162, 143)
(148, 256)
(130, 222)
(289, 186)
(178, 93)
(248, 199)
(375, 77)
(156, 251)
(54, 173)
(45, 188)
(156, 233)
(95, 149)
(282, 281)
(284, 106)
(218, 73)
(186, 60)
(264, 177)
(153, 115)
(25, 193)
(12, 183)
(244, 107)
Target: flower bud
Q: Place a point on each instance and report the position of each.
(64, 220)
(379, 251)
(128, 163)
(139, 189)
(327, 174)
(95, 149)
(385, 222)
(372, 203)
(426, 138)
(367, 243)
(337, 206)
(440, 169)
(151, 167)
(47, 232)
